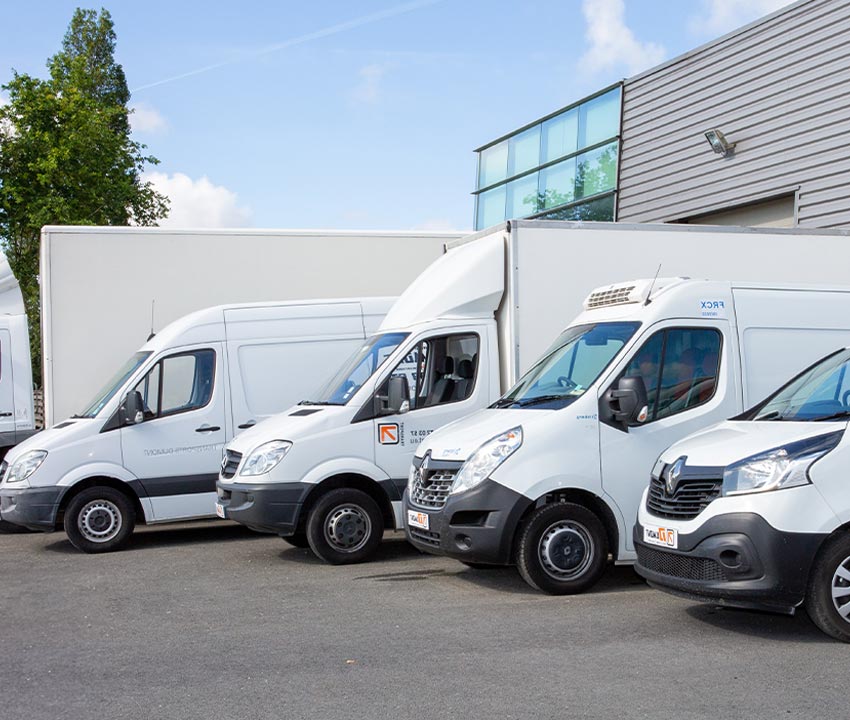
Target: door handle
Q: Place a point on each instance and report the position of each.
(246, 425)
(207, 428)
(6, 414)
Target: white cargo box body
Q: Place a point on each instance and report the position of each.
(99, 284)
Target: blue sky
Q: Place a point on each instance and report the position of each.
(331, 114)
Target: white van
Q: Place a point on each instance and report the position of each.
(149, 445)
(551, 475)
(755, 512)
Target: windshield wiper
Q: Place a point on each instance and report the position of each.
(318, 402)
(503, 402)
(540, 399)
(772, 415)
(833, 416)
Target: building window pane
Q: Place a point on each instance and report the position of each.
(493, 164)
(522, 197)
(596, 171)
(524, 152)
(600, 119)
(557, 184)
(599, 210)
(491, 208)
(560, 135)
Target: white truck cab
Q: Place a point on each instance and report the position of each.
(149, 445)
(755, 512)
(550, 476)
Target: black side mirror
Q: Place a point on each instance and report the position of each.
(626, 404)
(397, 399)
(131, 411)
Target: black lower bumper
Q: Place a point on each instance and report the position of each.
(265, 508)
(737, 560)
(476, 526)
(32, 508)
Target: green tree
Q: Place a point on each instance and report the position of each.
(66, 155)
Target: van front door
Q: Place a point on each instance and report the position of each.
(446, 378)
(688, 374)
(175, 452)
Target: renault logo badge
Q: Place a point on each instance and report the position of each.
(673, 473)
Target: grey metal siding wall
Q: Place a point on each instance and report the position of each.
(779, 88)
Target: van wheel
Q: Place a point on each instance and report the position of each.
(298, 540)
(99, 519)
(345, 526)
(828, 594)
(562, 549)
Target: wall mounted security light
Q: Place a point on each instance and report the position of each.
(718, 142)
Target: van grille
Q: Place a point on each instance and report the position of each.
(230, 463)
(431, 488)
(614, 296)
(680, 566)
(4, 466)
(688, 501)
(425, 536)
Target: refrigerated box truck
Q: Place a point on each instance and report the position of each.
(104, 288)
(331, 473)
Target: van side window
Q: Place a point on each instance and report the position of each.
(679, 367)
(178, 383)
(439, 370)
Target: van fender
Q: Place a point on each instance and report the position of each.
(344, 466)
(109, 470)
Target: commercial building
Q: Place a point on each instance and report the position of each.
(750, 129)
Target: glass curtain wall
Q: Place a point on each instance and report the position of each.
(563, 167)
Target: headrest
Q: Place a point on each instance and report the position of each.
(466, 369)
(448, 365)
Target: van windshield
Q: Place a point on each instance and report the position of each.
(113, 386)
(570, 366)
(822, 392)
(357, 370)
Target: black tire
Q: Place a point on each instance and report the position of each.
(99, 519)
(831, 572)
(298, 540)
(345, 526)
(562, 549)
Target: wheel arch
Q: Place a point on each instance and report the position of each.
(355, 481)
(99, 481)
(586, 499)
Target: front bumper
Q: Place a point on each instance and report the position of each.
(476, 526)
(737, 559)
(271, 508)
(33, 508)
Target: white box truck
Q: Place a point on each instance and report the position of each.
(754, 511)
(148, 446)
(332, 473)
(17, 421)
(100, 286)
(550, 477)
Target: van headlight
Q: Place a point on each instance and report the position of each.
(25, 466)
(265, 457)
(783, 467)
(486, 459)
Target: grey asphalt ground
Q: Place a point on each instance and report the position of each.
(209, 620)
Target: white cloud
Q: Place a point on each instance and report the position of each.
(611, 43)
(718, 17)
(368, 88)
(146, 118)
(199, 203)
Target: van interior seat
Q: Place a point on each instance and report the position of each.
(444, 386)
(466, 374)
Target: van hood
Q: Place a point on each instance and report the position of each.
(731, 441)
(298, 422)
(61, 435)
(459, 439)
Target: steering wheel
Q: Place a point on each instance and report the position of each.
(844, 398)
(566, 383)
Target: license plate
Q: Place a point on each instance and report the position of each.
(417, 519)
(661, 536)
(219, 510)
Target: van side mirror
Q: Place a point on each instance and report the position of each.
(131, 411)
(397, 399)
(626, 404)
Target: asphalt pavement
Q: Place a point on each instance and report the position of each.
(209, 620)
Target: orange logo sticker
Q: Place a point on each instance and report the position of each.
(388, 434)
